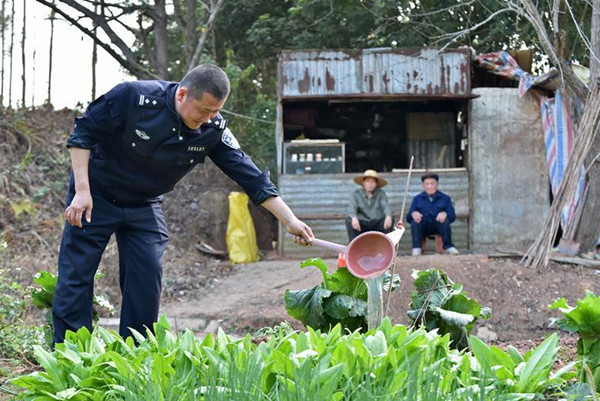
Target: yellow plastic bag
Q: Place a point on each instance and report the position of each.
(241, 236)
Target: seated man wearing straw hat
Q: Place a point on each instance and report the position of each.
(369, 208)
(431, 213)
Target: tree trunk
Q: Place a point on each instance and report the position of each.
(33, 65)
(23, 63)
(190, 29)
(50, 57)
(589, 228)
(561, 20)
(10, 54)
(94, 55)
(160, 38)
(3, 39)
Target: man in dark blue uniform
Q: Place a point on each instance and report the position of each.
(431, 213)
(131, 146)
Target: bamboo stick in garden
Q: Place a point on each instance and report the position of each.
(389, 296)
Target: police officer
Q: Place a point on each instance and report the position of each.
(131, 146)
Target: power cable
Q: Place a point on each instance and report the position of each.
(247, 117)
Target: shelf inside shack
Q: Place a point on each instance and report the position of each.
(314, 156)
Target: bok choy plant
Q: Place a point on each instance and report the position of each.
(438, 303)
(583, 319)
(340, 298)
(43, 298)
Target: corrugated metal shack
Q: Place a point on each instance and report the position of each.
(343, 111)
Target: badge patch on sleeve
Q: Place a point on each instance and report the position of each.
(229, 140)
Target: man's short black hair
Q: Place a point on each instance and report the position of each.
(430, 175)
(206, 78)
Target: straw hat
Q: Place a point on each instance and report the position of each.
(373, 174)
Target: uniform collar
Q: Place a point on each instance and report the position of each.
(171, 98)
(217, 122)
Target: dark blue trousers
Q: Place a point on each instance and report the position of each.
(142, 237)
(431, 227)
(365, 225)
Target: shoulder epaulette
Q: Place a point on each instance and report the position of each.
(218, 122)
(152, 102)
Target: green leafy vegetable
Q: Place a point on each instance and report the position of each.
(583, 319)
(340, 298)
(438, 303)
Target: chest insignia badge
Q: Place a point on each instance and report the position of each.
(142, 134)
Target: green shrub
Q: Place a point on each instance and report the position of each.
(16, 338)
(43, 298)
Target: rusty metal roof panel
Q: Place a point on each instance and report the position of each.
(416, 72)
(320, 72)
(403, 72)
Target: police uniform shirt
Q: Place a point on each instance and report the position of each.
(140, 147)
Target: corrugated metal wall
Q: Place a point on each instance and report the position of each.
(384, 71)
(510, 179)
(321, 201)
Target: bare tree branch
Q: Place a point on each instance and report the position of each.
(530, 12)
(455, 35)
(582, 34)
(103, 24)
(128, 58)
(144, 37)
(442, 10)
(207, 28)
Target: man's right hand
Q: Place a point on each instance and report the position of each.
(355, 224)
(417, 217)
(82, 202)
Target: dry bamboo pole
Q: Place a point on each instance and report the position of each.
(389, 296)
(538, 253)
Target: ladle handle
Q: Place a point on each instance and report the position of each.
(324, 244)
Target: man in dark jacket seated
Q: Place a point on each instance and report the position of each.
(431, 213)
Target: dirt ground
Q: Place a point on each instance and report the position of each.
(251, 296)
(34, 171)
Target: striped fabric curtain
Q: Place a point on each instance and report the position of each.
(558, 136)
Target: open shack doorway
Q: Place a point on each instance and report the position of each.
(381, 135)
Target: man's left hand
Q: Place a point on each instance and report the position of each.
(387, 223)
(441, 217)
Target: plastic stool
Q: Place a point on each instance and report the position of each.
(439, 245)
